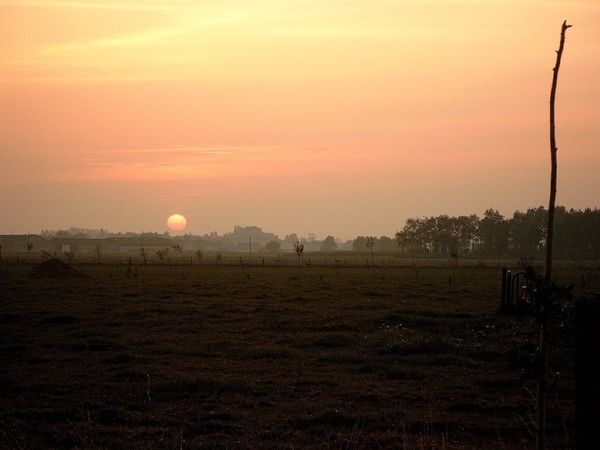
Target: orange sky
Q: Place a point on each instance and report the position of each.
(335, 118)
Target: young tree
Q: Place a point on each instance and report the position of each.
(160, 254)
(143, 254)
(299, 248)
(370, 245)
(70, 256)
(97, 251)
(546, 297)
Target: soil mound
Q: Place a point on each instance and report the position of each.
(55, 269)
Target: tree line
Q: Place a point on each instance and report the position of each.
(576, 235)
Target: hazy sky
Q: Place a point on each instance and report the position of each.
(332, 117)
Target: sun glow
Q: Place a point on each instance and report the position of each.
(176, 222)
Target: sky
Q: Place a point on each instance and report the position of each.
(337, 117)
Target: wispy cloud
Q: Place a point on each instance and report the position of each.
(211, 162)
(108, 5)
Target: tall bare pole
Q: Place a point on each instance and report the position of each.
(544, 312)
(553, 152)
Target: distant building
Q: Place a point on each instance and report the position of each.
(24, 243)
(84, 245)
(127, 245)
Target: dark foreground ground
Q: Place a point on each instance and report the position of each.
(247, 358)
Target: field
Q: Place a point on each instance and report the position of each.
(252, 356)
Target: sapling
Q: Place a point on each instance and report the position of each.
(299, 248)
(549, 293)
(370, 245)
(144, 254)
(97, 251)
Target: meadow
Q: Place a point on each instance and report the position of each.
(247, 356)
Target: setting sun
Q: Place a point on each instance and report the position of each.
(176, 222)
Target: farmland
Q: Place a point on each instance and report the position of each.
(241, 356)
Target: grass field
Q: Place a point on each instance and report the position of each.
(247, 357)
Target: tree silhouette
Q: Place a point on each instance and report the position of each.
(548, 291)
(143, 254)
(97, 251)
(273, 246)
(328, 244)
(370, 245)
(160, 254)
(299, 248)
(70, 256)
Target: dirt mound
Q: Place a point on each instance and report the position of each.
(55, 269)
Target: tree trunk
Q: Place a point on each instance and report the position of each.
(545, 302)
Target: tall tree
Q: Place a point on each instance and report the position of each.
(527, 232)
(493, 232)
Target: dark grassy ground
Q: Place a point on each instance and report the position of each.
(185, 357)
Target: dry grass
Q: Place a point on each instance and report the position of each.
(262, 357)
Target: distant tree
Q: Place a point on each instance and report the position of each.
(272, 246)
(370, 245)
(199, 255)
(357, 243)
(177, 248)
(129, 265)
(454, 258)
(243, 233)
(385, 243)
(328, 244)
(312, 237)
(143, 254)
(70, 256)
(29, 246)
(61, 234)
(97, 251)
(299, 248)
(414, 237)
(160, 254)
(291, 238)
(493, 233)
(527, 232)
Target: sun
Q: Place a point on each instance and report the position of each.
(176, 222)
